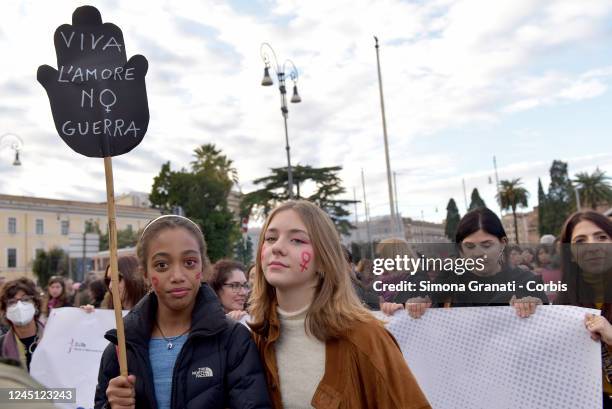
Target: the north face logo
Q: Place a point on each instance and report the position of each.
(205, 372)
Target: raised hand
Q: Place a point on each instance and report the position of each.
(599, 327)
(98, 98)
(389, 308)
(526, 306)
(417, 306)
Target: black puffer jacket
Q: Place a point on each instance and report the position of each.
(218, 367)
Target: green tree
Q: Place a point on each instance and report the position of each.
(593, 188)
(328, 186)
(452, 219)
(125, 238)
(209, 159)
(560, 200)
(202, 193)
(243, 251)
(47, 264)
(511, 196)
(542, 228)
(476, 201)
(92, 226)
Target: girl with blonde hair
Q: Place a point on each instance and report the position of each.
(320, 347)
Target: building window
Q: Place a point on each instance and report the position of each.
(65, 227)
(40, 229)
(11, 258)
(12, 225)
(129, 227)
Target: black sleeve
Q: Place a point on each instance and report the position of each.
(439, 298)
(246, 381)
(109, 369)
(367, 296)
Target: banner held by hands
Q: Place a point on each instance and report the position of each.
(100, 109)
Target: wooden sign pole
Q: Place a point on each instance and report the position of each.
(72, 98)
(114, 268)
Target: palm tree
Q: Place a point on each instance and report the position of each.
(593, 188)
(207, 156)
(512, 195)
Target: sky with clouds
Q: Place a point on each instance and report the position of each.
(526, 81)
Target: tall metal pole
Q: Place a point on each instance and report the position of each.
(283, 91)
(365, 204)
(497, 186)
(289, 171)
(371, 241)
(384, 122)
(422, 226)
(399, 219)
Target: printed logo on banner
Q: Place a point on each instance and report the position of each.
(77, 346)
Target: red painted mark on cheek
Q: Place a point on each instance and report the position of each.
(306, 257)
(198, 276)
(155, 282)
(264, 249)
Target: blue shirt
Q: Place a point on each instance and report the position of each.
(162, 363)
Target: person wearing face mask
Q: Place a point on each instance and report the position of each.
(20, 307)
(481, 235)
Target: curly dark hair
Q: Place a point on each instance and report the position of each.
(10, 290)
(221, 270)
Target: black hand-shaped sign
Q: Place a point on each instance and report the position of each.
(98, 100)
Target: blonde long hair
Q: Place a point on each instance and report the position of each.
(335, 307)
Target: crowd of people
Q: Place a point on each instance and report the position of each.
(311, 339)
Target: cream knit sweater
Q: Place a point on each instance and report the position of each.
(300, 359)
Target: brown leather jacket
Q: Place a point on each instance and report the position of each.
(365, 369)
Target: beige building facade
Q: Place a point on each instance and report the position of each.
(29, 224)
(527, 225)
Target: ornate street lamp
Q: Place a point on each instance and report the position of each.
(267, 53)
(14, 142)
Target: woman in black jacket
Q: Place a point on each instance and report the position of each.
(481, 237)
(182, 352)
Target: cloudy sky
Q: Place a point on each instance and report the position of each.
(526, 81)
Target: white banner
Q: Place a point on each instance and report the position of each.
(69, 353)
(489, 358)
(474, 357)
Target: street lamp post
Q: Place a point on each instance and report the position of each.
(9, 140)
(267, 53)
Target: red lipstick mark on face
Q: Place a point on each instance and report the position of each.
(198, 276)
(155, 282)
(306, 257)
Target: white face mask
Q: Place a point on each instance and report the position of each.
(21, 314)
